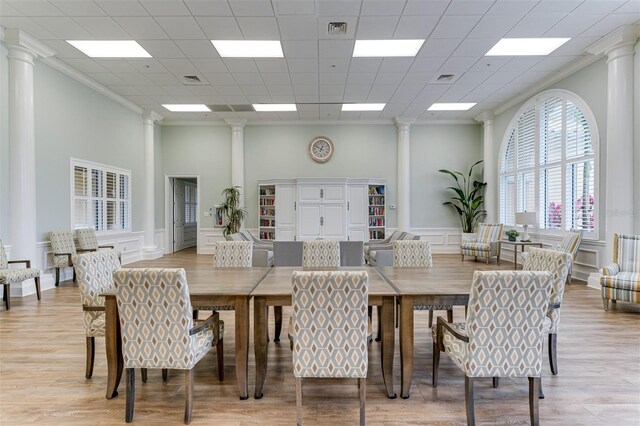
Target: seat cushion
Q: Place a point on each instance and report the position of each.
(622, 280)
(10, 276)
(471, 245)
(548, 326)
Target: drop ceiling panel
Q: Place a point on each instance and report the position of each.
(259, 28)
(141, 27)
(469, 7)
(294, 7)
(376, 27)
(455, 26)
(77, 8)
(165, 7)
(275, 78)
(27, 25)
(271, 65)
(365, 64)
(382, 7)
(180, 27)
(303, 65)
(415, 26)
(197, 49)
(251, 7)
(147, 65)
(116, 65)
(208, 8)
(162, 49)
(339, 7)
(426, 7)
(535, 25)
(34, 8)
(298, 28)
(210, 65)
(63, 27)
(240, 65)
(300, 49)
(122, 7)
(220, 79)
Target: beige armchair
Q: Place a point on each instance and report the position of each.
(486, 244)
(621, 280)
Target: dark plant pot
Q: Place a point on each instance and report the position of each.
(512, 238)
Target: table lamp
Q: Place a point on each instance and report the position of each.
(525, 219)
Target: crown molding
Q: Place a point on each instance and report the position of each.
(150, 114)
(92, 84)
(485, 116)
(316, 123)
(399, 121)
(14, 37)
(625, 35)
(236, 122)
(193, 123)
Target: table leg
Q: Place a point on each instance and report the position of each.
(515, 257)
(406, 344)
(260, 342)
(388, 343)
(242, 345)
(113, 346)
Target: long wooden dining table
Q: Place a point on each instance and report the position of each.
(275, 290)
(207, 287)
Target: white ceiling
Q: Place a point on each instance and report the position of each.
(318, 67)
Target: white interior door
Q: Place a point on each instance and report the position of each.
(334, 222)
(285, 212)
(309, 221)
(178, 215)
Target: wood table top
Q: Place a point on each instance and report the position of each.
(278, 281)
(429, 281)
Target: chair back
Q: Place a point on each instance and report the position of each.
(488, 232)
(155, 318)
(95, 277)
(571, 243)
(87, 239)
(233, 254)
(4, 261)
(558, 264)
(626, 252)
(412, 254)
(321, 254)
(330, 323)
(62, 242)
(505, 323)
(234, 237)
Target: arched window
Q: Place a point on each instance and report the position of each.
(548, 164)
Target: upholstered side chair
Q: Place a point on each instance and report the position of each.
(321, 254)
(64, 248)
(330, 330)
(88, 241)
(621, 280)
(570, 244)
(15, 275)
(502, 336)
(233, 254)
(158, 330)
(95, 277)
(486, 244)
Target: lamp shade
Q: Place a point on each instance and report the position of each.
(526, 218)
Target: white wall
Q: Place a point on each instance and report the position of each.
(4, 144)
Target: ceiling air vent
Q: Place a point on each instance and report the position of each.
(337, 28)
(192, 80)
(445, 77)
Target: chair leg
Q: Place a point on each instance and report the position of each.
(449, 315)
(430, 318)
(91, 353)
(534, 384)
(468, 389)
(540, 392)
(165, 375)
(131, 394)
(57, 277)
(436, 364)
(195, 314)
(6, 296)
(73, 268)
(379, 312)
(188, 397)
(277, 314)
(299, 401)
(605, 303)
(362, 385)
(220, 356)
(496, 382)
(37, 280)
(553, 359)
(487, 260)
(143, 374)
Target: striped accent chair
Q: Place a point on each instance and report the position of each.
(95, 276)
(321, 254)
(64, 248)
(558, 263)
(17, 275)
(503, 334)
(157, 328)
(486, 244)
(330, 329)
(417, 254)
(621, 280)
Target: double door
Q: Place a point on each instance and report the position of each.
(322, 212)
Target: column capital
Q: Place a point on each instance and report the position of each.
(402, 122)
(486, 118)
(623, 38)
(236, 123)
(19, 40)
(151, 115)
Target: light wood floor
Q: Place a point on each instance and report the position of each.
(42, 356)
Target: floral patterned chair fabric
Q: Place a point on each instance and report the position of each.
(502, 336)
(64, 248)
(321, 254)
(621, 280)
(330, 328)
(17, 275)
(486, 244)
(157, 327)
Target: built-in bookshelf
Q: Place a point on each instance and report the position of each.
(267, 212)
(377, 207)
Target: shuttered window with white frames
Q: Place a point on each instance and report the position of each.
(190, 203)
(548, 165)
(101, 197)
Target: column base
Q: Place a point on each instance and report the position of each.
(594, 280)
(149, 253)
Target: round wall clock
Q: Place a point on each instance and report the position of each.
(321, 149)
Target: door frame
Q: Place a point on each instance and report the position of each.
(168, 210)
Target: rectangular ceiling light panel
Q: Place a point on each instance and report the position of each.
(186, 107)
(526, 46)
(363, 107)
(248, 48)
(386, 48)
(110, 48)
(451, 106)
(274, 107)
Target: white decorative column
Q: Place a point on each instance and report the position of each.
(404, 174)
(23, 50)
(237, 155)
(150, 250)
(490, 168)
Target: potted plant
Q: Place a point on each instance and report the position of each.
(512, 234)
(467, 200)
(233, 214)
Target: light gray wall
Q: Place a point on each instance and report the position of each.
(435, 147)
(4, 145)
(71, 120)
(636, 169)
(198, 150)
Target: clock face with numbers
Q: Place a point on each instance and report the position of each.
(320, 149)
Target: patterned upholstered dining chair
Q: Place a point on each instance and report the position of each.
(88, 241)
(157, 328)
(232, 254)
(330, 329)
(64, 248)
(502, 336)
(417, 254)
(486, 244)
(12, 276)
(621, 280)
(321, 254)
(95, 276)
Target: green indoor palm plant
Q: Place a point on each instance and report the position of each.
(233, 214)
(467, 199)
